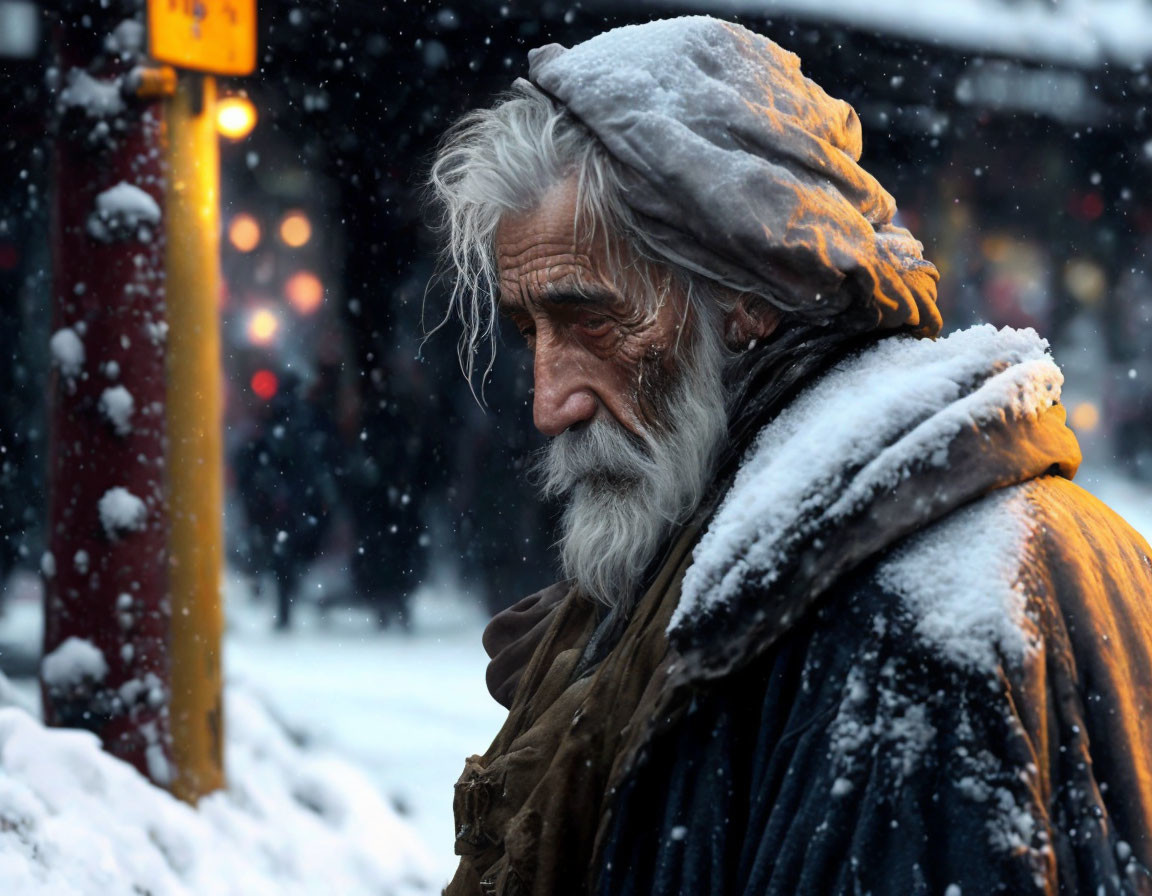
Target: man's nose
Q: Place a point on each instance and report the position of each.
(562, 396)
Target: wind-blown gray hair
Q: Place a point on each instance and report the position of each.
(504, 159)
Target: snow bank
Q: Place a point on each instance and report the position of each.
(121, 511)
(74, 820)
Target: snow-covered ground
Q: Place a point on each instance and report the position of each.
(407, 709)
(403, 709)
(294, 819)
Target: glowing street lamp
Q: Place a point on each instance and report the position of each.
(235, 117)
(295, 229)
(244, 232)
(305, 292)
(263, 326)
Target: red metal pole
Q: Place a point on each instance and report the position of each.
(106, 609)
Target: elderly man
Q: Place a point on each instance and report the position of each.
(834, 618)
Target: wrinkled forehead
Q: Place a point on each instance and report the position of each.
(552, 255)
(553, 218)
(539, 253)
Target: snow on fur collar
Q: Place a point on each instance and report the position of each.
(890, 440)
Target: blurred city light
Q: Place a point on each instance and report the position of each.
(304, 291)
(1085, 416)
(9, 257)
(263, 326)
(1085, 281)
(19, 29)
(235, 117)
(244, 232)
(295, 229)
(1087, 207)
(265, 384)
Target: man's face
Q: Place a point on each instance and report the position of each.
(634, 407)
(598, 350)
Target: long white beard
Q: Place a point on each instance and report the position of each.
(626, 493)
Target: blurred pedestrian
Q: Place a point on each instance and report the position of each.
(285, 476)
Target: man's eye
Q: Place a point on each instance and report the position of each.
(528, 332)
(597, 324)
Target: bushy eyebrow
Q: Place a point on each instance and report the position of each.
(596, 298)
(506, 309)
(564, 296)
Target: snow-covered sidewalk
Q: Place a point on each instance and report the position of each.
(407, 709)
(343, 746)
(294, 820)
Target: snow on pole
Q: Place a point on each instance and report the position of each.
(105, 664)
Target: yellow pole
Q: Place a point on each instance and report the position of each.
(195, 472)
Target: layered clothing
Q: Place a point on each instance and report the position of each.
(897, 651)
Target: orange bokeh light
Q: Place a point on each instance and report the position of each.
(304, 291)
(295, 229)
(235, 117)
(244, 232)
(1085, 416)
(263, 326)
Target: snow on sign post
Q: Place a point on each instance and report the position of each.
(105, 665)
(216, 36)
(133, 616)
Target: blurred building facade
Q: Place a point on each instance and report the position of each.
(1025, 168)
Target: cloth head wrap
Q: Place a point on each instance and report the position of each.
(745, 170)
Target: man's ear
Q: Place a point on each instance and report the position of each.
(751, 320)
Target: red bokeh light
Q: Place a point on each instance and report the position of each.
(1092, 206)
(9, 257)
(1086, 206)
(265, 384)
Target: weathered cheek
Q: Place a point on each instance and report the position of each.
(626, 361)
(640, 364)
(655, 378)
(643, 340)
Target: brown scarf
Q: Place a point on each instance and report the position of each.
(529, 810)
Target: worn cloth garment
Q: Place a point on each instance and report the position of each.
(901, 653)
(744, 170)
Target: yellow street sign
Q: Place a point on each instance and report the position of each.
(217, 36)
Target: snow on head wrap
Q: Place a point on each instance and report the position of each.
(745, 171)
